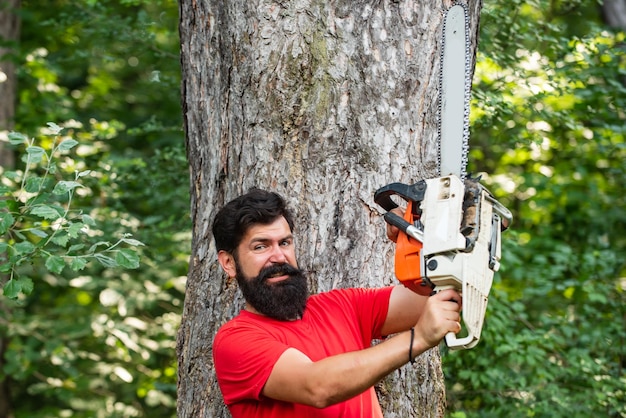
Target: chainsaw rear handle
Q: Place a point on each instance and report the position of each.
(455, 343)
(409, 192)
(452, 341)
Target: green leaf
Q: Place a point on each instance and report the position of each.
(74, 229)
(133, 242)
(88, 220)
(6, 221)
(61, 239)
(12, 175)
(56, 129)
(41, 199)
(127, 258)
(33, 184)
(52, 168)
(17, 138)
(38, 232)
(3, 247)
(12, 288)
(55, 264)
(95, 246)
(24, 247)
(78, 263)
(63, 187)
(67, 144)
(12, 205)
(105, 260)
(46, 212)
(27, 285)
(35, 153)
(75, 247)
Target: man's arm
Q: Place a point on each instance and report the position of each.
(405, 309)
(295, 378)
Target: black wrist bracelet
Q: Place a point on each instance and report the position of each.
(411, 359)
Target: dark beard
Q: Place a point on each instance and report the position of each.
(284, 300)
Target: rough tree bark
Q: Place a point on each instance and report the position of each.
(9, 34)
(323, 102)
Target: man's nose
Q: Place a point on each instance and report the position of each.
(278, 255)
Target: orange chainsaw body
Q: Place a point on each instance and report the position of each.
(408, 258)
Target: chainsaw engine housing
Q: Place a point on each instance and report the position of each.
(450, 238)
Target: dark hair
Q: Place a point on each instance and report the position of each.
(255, 207)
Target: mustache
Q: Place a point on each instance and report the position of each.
(278, 269)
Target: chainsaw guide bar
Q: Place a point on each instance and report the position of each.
(454, 93)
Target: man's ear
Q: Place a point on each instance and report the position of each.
(227, 261)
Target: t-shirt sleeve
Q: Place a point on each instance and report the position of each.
(366, 307)
(373, 306)
(244, 357)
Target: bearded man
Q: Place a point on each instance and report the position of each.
(290, 354)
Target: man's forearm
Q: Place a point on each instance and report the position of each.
(341, 377)
(295, 378)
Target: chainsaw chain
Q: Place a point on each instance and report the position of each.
(466, 99)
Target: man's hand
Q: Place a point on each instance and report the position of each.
(393, 231)
(440, 315)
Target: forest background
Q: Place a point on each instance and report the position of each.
(88, 323)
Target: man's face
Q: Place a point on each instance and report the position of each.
(265, 267)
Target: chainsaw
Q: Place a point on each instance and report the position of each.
(451, 229)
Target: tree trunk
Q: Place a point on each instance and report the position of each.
(614, 13)
(323, 102)
(9, 33)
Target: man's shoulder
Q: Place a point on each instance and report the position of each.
(243, 320)
(239, 331)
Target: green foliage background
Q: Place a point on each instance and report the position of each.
(547, 129)
(548, 126)
(100, 342)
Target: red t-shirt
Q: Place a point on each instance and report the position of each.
(246, 348)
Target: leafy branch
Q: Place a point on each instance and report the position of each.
(38, 224)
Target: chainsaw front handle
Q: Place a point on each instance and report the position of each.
(409, 192)
(404, 226)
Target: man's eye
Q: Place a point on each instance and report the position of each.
(286, 243)
(259, 247)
